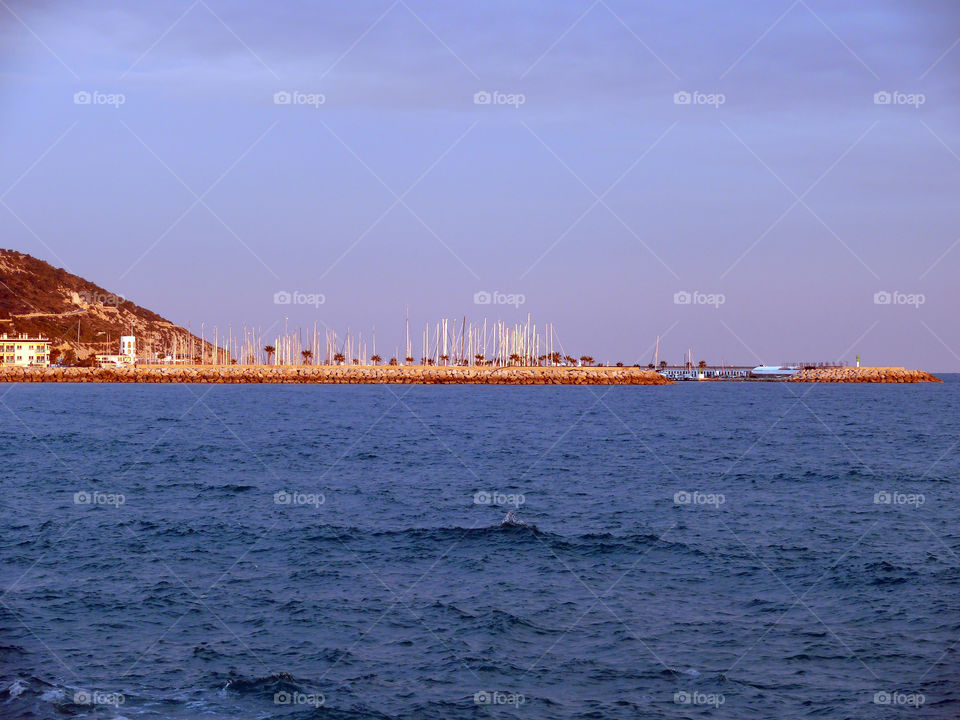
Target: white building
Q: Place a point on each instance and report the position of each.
(127, 356)
(24, 350)
(710, 372)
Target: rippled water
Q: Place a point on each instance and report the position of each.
(700, 550)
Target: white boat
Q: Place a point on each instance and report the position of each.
(774, 370)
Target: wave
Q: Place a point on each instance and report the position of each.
(262, 685)
(30, 697)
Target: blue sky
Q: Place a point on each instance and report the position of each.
(786, 200)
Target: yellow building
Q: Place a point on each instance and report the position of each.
(24, 350)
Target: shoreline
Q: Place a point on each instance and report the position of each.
(422, 375)
(341, 375)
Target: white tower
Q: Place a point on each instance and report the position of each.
(128, 346)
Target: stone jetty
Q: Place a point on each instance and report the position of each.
(863, 375)
(340, 375)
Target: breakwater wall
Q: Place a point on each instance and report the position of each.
(863, 375)
(341, 375)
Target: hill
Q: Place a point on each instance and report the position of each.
(79, 315)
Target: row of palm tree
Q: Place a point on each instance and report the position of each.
(479, 359)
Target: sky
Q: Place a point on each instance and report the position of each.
(759, 181)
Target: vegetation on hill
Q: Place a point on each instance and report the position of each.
(80, 317)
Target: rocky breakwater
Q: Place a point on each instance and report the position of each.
(341, 375)
(864, 375)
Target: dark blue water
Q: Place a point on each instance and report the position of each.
(700, 550)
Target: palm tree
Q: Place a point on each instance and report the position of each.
(393, 361)
(514, 359)
(307, 354)
(586, 360)
(569, 360)
(269, 350)
(663, 364)
(376, 359)
(702, 364)
(479, 358)
(444, 357)
(408, 360)
(339, 358)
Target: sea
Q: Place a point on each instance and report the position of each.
(700, 550)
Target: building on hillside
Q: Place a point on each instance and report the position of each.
(24, 350)
(126, 357)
